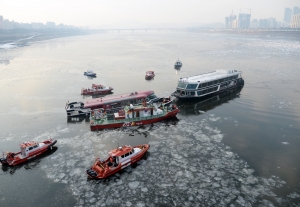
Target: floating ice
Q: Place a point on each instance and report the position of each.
(285, 143)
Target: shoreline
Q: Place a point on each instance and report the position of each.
(21, 35)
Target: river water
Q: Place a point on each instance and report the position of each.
(240, 148)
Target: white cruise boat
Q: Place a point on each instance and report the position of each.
(207, 83)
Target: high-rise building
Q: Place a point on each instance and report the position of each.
(296, 21)
(287, 15)
(244, 20)
(296, 10)
(254, 23)
(230, 21)
(1, 22)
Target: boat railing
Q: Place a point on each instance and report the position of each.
(102, 120)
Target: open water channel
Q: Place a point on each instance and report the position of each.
(240, 148)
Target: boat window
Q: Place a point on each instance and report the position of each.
(122, 156)
(192, 93)
(191, 86)
(130, 153)
(35, 146)
(127, 154)
(210, 83)
(199, 93)
(216, 81)
(132, 150)
(221, 80)
(204, 84)
(181, 85)
(152, 96)
(30, 148)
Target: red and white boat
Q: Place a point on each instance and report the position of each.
(28, 151)
(96, 89)
(132, 116)
(149, 74)
(118, 159)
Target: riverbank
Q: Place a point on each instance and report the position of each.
(17, 35)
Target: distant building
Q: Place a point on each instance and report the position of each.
(296, 21)
(230, 21)
(272, 23)
(244, 20)
(296, 10)
(50, 25)
(1, 22)
(287, 15)
(263, 23)
(254, 23)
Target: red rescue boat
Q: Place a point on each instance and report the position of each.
(96, 89)
(132, 116)
(118, 159)
(28, 151)
(149, 74)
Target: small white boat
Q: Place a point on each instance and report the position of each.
(90, 73)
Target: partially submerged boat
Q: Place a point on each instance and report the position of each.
(149, 74)
(76, 109)
(90, 73)
(96, 90)
(29, 150)
(178, 64)
(118, 159)
(132, 116)
(207, 83)
(112, 102)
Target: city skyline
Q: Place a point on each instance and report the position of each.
(102, 13)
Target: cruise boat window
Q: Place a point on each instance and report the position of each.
(181, 85)
(30, 148)
(127, 154)
(204, 84)
(191, 86)
(216, 81)
(132, 150)
(210, 83)
(122, 156)
(192, 93)
(199, 93)
(35, 146)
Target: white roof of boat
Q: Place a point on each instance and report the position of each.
(215, 75)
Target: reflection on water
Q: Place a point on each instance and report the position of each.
(201, 105)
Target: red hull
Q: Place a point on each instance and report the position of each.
(17, 158)
(110, 171)
(135, 123)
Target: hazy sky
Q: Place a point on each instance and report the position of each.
(103, 12)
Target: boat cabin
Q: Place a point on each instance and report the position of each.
(122, 154)
(28, 147)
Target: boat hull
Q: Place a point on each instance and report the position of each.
(149, 77)
(134, 123)
(121, 166)
(37, 153)
(99, 92)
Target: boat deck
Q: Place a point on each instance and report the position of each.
(218, 74)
